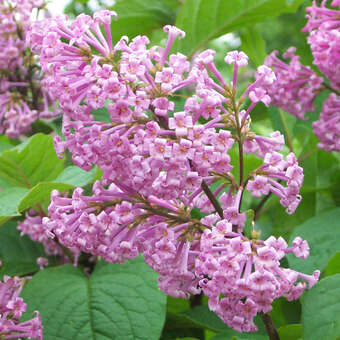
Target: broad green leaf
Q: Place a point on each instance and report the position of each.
(40, 193)
(31, 162)
(321, 310)
(322, 233)
(70, 177)
(75, 176)
(202, 316)
(204, 20)
(333, 266)
(253, 45)
(5, 144)
(239, 336)
(120, 302)
(4, 184)
(140, 17)
(18, 254)
(9, 201)
(177, 305)
(290, 332)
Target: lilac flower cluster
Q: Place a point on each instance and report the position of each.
(327, 128)
(23, 96)
(34, 228)
(159, 164)
(242, 277)
(11, 309)
(298, 85)
(324, 38)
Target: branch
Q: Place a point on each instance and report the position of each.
(258, 208)
(270, 328)
(212, 199)
(330, 88)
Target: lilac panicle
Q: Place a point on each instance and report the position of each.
(158, 162)
(24, 96)
(11, 309)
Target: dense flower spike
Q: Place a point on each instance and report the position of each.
(242, 277)
(159, 163)
(327, 128)
(324, 38)
(33, 227)
(11, 309)
(297, 84)
(23, 95)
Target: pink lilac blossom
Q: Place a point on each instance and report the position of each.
(157, 161)
(23, 95)
(276, 168)
(327, 128)
(242, 277)
(34, 228)
(296, 85)
(323, 27)
(11, 309)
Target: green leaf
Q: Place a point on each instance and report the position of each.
(31, 162)
(18, 253)
(322, 233)
(9, 201)
(40, 193)
(5, 144)
(75, 176)
(321, 310)
(239, 336)
(333, 266)
(4, 184)
(204, 20)
(177, 305)
(71, 176)
(202, 316)
(253, 45)
(120, 302)
(142, 16)
(290, 332)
